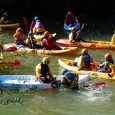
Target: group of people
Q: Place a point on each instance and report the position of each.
(42, 41)
(70, 79)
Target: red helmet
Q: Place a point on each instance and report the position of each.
(84, 50)
(73, 29)
(19, 29)
(108, 56)
(46, 33)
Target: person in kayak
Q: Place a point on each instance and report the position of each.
(32, 41)
(70, 79)
(38, 28)
(113, 39)
(43, 71)
(33, 23)
(19, 37)
(73, 36)
(47, 43)
(70, 19)
(107, 65)
(83, 62)
(4, 18)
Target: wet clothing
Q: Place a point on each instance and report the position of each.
(49, 45)
(84, 61)
(73, 36)
(107, 67)
(43, 70)
(38, 28)
(19, 38)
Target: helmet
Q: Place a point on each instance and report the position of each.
(108, 56)
(46, 59)
(36, 18)
(30, 33)
(84, 50)
(69, 13)
(46, 33)
(73, 29)
(19, 29)
(5, 14)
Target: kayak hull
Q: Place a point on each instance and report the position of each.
(30, 81)
(93, 44)
(65, 50)
(67, 64)
(10, 26)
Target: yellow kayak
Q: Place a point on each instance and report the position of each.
(65, 50)
(10, 26)
(12, 47)
(67, 64)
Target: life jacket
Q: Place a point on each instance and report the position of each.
(44, 69)
(106, 64)
(20, 39)
(38, 25)
(87, 59)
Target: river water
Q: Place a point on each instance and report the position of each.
(62, 101)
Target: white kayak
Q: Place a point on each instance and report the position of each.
(30, 82)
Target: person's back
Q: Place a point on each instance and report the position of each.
(84, 60)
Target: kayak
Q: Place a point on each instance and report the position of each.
(12, 47)
(67, 64)
(65, 50)
(68, 27)
(30, 82)
(93, 44)
(10, 26)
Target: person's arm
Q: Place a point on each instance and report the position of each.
(38, 71)
(80, 62)
(2, 20)
(112, 67)
(15, 36)
(70, 37)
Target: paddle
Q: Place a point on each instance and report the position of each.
(98, 84)
(14, 63)
(26, 24)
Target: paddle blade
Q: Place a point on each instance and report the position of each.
(25, 22)
(14, 63)
(83, 25)
(98, 84)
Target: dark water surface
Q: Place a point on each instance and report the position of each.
(99, 101)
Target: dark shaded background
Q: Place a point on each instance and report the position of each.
(59, 8)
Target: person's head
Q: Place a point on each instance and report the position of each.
(19, 30)
(69, 13)
(36, 18)
(84, 51)
(46, 60)
(5, 14)
(108, 56)
(46, 34)
(73, 29)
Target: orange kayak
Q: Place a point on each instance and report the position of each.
(93, 44)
